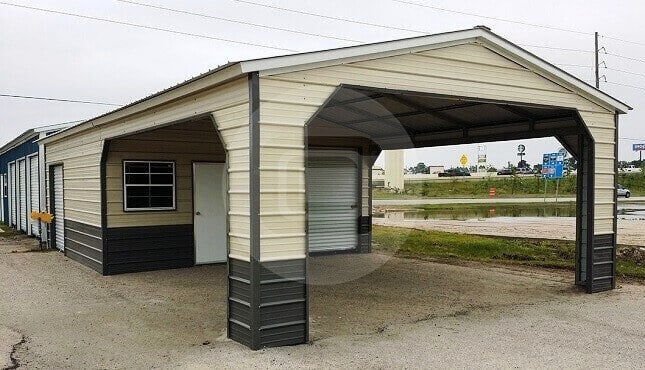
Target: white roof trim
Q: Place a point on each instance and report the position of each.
(298, 62)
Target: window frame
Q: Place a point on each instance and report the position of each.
(149, 209)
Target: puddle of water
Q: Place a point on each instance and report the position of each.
(479, 211)
(631, 211)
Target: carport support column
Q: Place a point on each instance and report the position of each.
(267, 300)
(595, 254)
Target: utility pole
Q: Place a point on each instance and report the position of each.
(596, 64)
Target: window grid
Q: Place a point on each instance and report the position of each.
(150, 169)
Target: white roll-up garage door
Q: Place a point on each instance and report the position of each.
(2, 195)
(12, 194)
(34, 194)
(59, 209)
(332, 195)
(22, 195)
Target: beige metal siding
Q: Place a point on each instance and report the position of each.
(81, 154)
(183, 144)
(288, 100)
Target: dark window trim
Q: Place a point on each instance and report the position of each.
(150, 209)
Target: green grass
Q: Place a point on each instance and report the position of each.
(507, 187)
(452, 248)
(7, 231)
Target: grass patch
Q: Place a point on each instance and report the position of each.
(451, 247)
(6, 230)
(505, 187)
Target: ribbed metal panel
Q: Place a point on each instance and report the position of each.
(84, 244)
(147, 248)
(34, 193)
(22, 195)
(603, 262)
(332, 201)
(59, 210)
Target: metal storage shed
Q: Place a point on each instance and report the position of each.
(20, 179)
(130, 183)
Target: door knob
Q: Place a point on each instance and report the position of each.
(198, 213)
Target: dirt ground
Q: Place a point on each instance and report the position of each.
(366, 311)
(630, 232)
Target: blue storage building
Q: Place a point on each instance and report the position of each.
(22, 179)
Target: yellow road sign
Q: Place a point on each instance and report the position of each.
(463, 160)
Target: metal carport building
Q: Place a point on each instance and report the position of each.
(225, 167)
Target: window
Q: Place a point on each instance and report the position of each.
(148, 186)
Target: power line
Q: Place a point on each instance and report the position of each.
(58, 100)
(623, 40)
(630, 138)
(348, 20)
(208, 16)
(628, 72)
(626, 85)
(557, 48)
(136, 25)
(572, 65)
(625, 57)
(493, 18)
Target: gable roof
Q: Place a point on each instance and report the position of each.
(34, 132)
(315, 59)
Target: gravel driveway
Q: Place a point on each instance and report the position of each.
(366, 311)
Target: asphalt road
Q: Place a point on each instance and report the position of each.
(416, 202)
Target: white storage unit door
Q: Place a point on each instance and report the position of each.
(2, 195)
(59, 209)
(34, 194)
(332, 195)
(22, 196)
(12, 194)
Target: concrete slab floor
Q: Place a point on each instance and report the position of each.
(366, 310)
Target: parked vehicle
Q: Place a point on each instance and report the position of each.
(505, 171)
(454, 172)
(524, 171)
(631, 168)
(622, 191)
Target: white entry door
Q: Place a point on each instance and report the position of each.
(209, 182)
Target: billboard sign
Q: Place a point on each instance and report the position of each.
(552, 165)
(638, 147)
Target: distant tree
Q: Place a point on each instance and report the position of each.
(472, 169)
(420, 168)
(522, 164)
(537, 168)
(491, 169)
(570, 164)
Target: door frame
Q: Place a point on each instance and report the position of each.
(226, 210)
(359, 195)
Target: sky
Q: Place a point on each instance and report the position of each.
(43, 54)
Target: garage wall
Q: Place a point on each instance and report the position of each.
(183, 144)
(80, 153)
(288, 100)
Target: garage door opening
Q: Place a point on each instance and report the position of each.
(367, 121)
